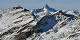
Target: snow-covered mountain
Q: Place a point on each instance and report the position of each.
(41, 12)
(46, 23)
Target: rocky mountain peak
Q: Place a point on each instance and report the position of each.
(40, 24)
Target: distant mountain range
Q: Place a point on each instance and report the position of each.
(46, 23)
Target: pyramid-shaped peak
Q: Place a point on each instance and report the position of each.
(46, 6)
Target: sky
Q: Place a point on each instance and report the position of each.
(34, 4)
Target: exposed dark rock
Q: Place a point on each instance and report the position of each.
(18, 7)
(25, 10)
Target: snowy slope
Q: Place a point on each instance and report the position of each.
(18, 23)
(14, 21)
(68, 32)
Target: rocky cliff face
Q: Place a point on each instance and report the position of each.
(17, 23)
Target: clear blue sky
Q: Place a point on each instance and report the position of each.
(32, 4)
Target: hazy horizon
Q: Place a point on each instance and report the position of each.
(33, 4)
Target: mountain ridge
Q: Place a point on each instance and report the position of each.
(45, 23)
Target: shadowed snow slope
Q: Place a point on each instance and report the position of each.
(46, 23)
